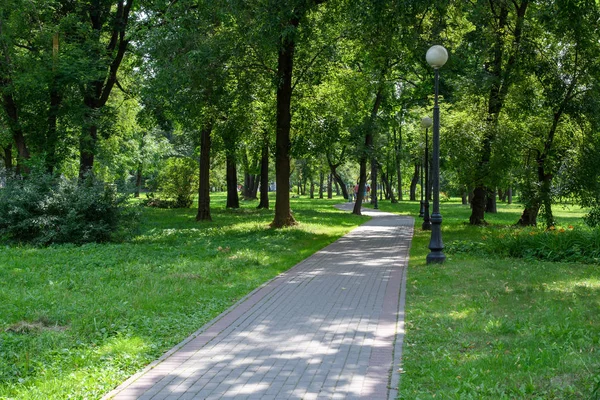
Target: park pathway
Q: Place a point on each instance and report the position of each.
(329, 328)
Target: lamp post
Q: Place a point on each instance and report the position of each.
(436, 57)
(422, 209)
(426, 123)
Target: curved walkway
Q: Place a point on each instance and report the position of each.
(329, 328)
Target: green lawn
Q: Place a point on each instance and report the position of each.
(76, 321)
(482, 326)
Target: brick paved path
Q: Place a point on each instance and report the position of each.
(329, 328)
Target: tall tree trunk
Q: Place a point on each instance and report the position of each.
(464, 198)
(285, 66)
(338, 179)
(509, 196)
(233, 199)
(490, 205)
(87, 149)
(264, 174)
(502, 74)
(367, 151)
(388, 186)
(312, 189)
(374, 182)
(98, 91)
(52, 132)
(398, 160)
(321, 181)
(12, 112)
(7, 157)
(138, 181)
(329, 187)
(413, 183)
(478, 206)
(204, 186)
(255, 186)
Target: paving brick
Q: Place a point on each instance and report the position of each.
(324, 329)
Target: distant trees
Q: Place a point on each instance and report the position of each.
(324, 88)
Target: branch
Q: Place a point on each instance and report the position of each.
(312, 62)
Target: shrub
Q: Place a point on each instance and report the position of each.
(592, 218)
(42, 209)
(177, 183)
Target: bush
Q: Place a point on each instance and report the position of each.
(42, 209)
(177, 183)
(592, 218)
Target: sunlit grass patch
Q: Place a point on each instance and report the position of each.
(485, 325)
(125, 304)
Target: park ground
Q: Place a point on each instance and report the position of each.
(486, 324)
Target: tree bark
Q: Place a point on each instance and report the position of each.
(501, 82)
(285, 66)
(367, 150)
(12, 113)
(264, 175)
(398, 160)
(478, 206)
(413, 183)
(7, 157)
(321, 181)
(374, 182)
(329, 187)
(233, 199)
(138, 181)
(338, 179)
(204, 186)
(98, 91)
(490, 205)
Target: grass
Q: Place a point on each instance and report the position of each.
(76, 321)
(483, 326)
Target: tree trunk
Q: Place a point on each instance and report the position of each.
(312, 189)
(14, 124)
(138, 181)
(264, 175)
(233, 199)
(204, 187)
(338, 179)
(7, 157)
(374, 182)
(87, 149)
(509, 196)
(367, 152)
(464, 198)
(329, 187)
(490, 205)
(470, 197)
(321, 181)
(255, 186)
(478, 206)
(285, 66)
(398, 160)
(413, 183)
(502, 72)
(529, 216)
(388, 186)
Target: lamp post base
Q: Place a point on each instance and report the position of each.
(436, 257)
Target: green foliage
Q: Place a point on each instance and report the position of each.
(592, 218)
(177, 183)
(555, 244)
(42, 209)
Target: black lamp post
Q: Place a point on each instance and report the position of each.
(436, 57)
(422, 209)
(426, 123)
